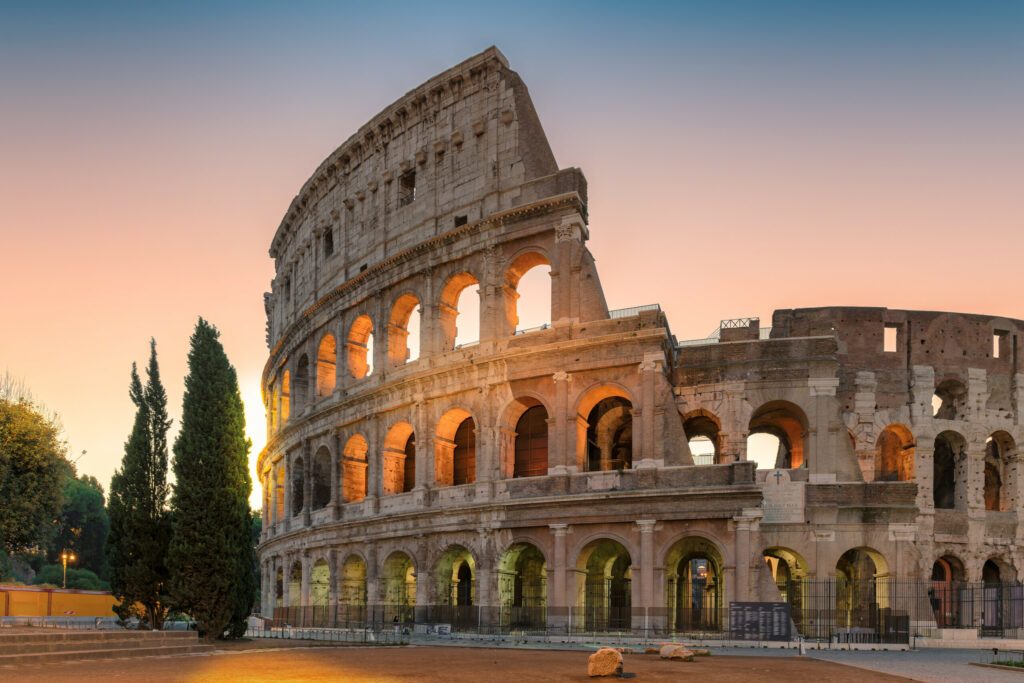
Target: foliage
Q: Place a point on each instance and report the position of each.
(211, 554)
(32, 460)
(139, 519)
(82, 579)
(83, 524)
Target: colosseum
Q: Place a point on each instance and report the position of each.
(857, 466)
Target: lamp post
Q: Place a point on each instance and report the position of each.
(65, 557)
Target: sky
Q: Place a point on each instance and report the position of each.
(741, 157)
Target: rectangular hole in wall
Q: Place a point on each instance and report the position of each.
(406, 188)
(889, 342)
(999, 341)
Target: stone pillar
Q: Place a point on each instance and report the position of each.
(424, 451)
(650, 456)
(286, 580)
(336, 501)
(307, 570)
(558, 606)
(562, 451)
(286, 463)
(742, 530)
(565, 294)
(646, 528)
(820, 446)
(335, 581)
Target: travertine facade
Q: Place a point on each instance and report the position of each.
(554, 469)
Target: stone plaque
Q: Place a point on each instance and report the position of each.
(783, 499)
(759, 621)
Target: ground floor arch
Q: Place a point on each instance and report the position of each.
(398, 587)
(604, 586)
(522, 586)
(861, 588)
(946, 594)
(695, 585)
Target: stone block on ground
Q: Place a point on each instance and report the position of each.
(676, 652)
(605, 662)
(652, 651)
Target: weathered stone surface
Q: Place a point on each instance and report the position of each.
(677, 652)
(605, 662)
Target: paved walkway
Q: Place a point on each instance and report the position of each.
(930, 666)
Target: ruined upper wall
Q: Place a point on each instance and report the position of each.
(951, 343)
(463, 146)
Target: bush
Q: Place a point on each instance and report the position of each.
(83, 579)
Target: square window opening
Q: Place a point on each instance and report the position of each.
(406, 188)
(890, 340)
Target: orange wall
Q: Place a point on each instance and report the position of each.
(27, 601)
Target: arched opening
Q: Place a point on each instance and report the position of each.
(278, 589)
(279, 489)
(459, 311)
(320, 593)
(894, 454)
(301, 388)
(360, 347)
(353, 469)
(997, 613)
(273, 413)
(531, 447)
(522, 587)
(455, 449)
(950, 400)
(326, 366)
(990, 572)
(399, 459)
(295, 587)
(695, 585)
(948, 461)
(528, 293)
(859, 592)
(298, 486)
(286, 394)
(946, 592)
(1000, 450)
(776, 436)
(404, 330)
(398, 581)
(701, 432)
(610, 435)
(604, 586)
(321, 478)
(352, 591)
(789, 574)
(456, 586)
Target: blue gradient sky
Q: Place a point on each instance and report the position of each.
(741, 157)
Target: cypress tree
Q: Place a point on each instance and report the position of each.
(211, 553)
(139, 519)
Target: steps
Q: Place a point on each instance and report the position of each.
(53, 645)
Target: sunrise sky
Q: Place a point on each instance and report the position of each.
(741, 157)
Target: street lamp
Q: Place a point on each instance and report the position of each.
(65, 557)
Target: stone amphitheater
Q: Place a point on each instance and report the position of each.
(858, 465)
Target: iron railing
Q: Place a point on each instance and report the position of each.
(632, 310)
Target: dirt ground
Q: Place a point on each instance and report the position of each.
(448, 664)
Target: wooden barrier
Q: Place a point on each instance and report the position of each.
(35, 601)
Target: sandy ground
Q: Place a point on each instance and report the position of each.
(415, 663)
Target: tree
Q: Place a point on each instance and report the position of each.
(139, 520)
(32, 459)
(83, 525)
(211, 552)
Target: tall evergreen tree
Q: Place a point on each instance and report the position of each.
(211, 551)
(139, 520)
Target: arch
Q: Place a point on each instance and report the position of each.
(322, 472)
(398, 587)
(604, 428)
(399, 459)
(279, 489)
(300, 388)
(860, 587)
(522, 586)
(695, 585)
(326, 365)
(948, 478)
(298, 486)
(945, 593)
(894, 454)
(950, 400)
(279, 588)
(702, 435)
(352, 591)
(359, 347)
(999, 489)
(354, 469)
(531, 443)
(455, 577)
(449, 310)
(295, 585)
(286, 394)
(529, 261)
(401, 324)
(455, 448)
(604, 585)
(786, 422)
(320, 590)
